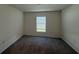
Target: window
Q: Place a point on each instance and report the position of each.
(41, 24)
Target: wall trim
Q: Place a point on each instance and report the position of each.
(9, 43)
(44, 36)
(71, 45)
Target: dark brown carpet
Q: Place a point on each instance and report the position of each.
(39, 45)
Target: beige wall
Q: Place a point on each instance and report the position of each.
(11, 26)
(52, 24)
(70, 25)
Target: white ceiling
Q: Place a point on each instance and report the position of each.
(39, 7)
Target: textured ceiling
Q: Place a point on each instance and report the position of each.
(40, 7)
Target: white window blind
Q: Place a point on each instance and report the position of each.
(41, 23)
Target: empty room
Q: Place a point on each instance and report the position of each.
(39, 28)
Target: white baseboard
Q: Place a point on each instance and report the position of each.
(70, 44)
(14, 39)
(9, 42)
(44, 36)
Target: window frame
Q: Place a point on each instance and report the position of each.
(36, 23)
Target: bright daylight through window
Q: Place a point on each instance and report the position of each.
(41, 24)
